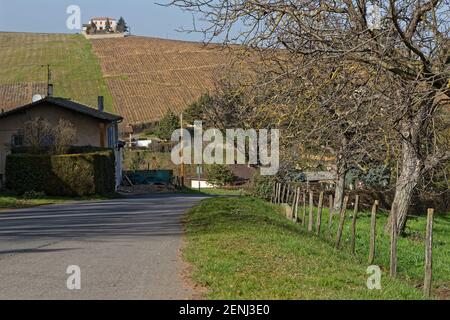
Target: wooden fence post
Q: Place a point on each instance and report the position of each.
(279, 193)
(393, 265)
(428, 254)
(276, 193)
(341, 222)
(373, 232)
(304, 209)
(297, 199)
(283, 193)
(288, 194)
(272, 196)
(319, 213)
(294, 214)
(355, 215)
(330, 212)
(311, 207)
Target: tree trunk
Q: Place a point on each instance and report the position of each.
(410, 170)
(341, 172)
(339, 191)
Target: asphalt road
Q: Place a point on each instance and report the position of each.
(125, 248)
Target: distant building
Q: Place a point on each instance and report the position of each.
(320, 176)
(97, 28)
(100, 22)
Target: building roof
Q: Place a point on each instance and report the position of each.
(67, 104)
(320, 176)
(103, 19)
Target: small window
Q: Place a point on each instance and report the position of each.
(17, 140)
(111, 137)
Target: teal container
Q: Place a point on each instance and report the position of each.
(150, 177)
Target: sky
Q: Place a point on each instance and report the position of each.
(145, 17)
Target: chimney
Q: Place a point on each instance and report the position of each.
(100, 104)
(50, 90)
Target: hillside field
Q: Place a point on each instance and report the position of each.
(141, 78)
(76, 72)
(148, 77)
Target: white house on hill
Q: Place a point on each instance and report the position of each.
(100, 23)
(97, 28)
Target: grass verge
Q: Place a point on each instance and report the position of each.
(243, 248)
(10, 201)
(215, 192)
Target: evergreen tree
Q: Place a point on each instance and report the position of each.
(122, 26)
(108, 25)
(92, 28)
(167, 125)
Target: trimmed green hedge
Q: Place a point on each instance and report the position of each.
(62, 175)
(47, 150)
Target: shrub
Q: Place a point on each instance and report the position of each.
(219, 174)
(168, 124)
(138, 160)
(65, 135)
(262, 186)
(61, 175)
(33, 195)
(48, 150)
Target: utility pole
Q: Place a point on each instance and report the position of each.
(182, 150)
(49, 78)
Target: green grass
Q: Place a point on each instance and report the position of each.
(10, 201)
(76, 71)
(411, 248)
(14, 202)
(216, 192)
(243, 248)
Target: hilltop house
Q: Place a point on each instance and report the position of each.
(104, 27)
(94, 127)
(101, 24)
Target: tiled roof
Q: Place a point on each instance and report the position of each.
(320, 176)
(103, 18)
(67, 104)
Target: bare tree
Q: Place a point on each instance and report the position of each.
(64, 136)
(405, 41)
(37, 134)
(42, 137)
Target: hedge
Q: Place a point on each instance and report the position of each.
(62, 175)
(47, 150)
(262, 186)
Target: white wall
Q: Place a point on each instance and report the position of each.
(203, 184)
(101, 24)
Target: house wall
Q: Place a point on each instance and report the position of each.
(101, 24)
(88, 128)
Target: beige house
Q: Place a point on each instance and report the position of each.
(94, 127)
(101, 23)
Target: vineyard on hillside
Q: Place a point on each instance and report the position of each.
(147, 76)
(76, 73)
